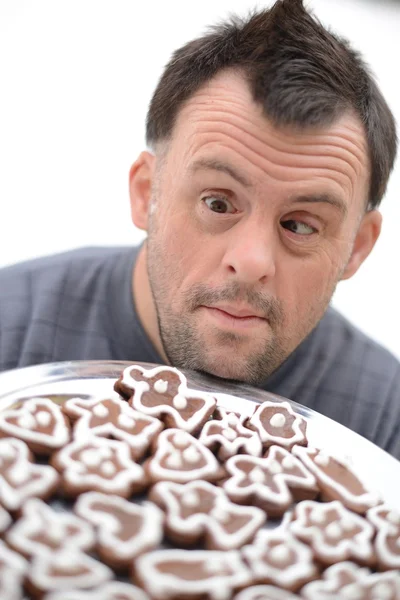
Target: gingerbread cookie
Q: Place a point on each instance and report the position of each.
(41, 528)
(124, 529)
(277, 557)
(336, 480)
(162, 392)
(181, 458)
(114, 590)
(98, 464)
(387, 540)
(333, 532)
(265, 592)
(198, 511)
(227, 436)
(194, 574)
(20, 477)
(65, 570)
(39, 422)
(12, 572)
(272, 483)
(113, 418)
(348, 580)
(277, 423)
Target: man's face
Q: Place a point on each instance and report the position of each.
(250, 228)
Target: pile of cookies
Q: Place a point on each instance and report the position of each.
(153, 492)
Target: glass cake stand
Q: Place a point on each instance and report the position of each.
(376, 468)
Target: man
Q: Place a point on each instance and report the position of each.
(270, 147)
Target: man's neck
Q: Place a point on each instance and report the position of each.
(143, 300)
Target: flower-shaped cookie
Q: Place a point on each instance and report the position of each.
(387, 540)
(113, 418)
(334, 532)
(277, 423)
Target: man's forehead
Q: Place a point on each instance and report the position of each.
(223, 114)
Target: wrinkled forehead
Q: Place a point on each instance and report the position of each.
(222, 118)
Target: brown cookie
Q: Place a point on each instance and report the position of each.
(199, 511)
(39, 422)
(113, 418)
(124, 529)
(20, 477)
(180, 457)
(277, 557)
(64, 570)
(227, 436)
(162, 392)
(336, 480)
(264, 592)
(387, 540)
(348, 580)
(194, 574)
(98, 464)
(277, 423)
(42, 529)
(334, 533)
(114, 590)
(273, 483)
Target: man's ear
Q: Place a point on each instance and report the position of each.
(367, 235)
(140, 188)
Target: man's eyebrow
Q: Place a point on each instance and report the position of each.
(217, 165)
(323, 198)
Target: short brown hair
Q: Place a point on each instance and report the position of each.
(298, 71)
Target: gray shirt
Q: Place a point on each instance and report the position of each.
(78, 306)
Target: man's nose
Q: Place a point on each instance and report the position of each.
(250, 254)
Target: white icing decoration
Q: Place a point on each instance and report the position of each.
(27, 421)
(160, 386)
(101, 411)
(190, 498)
(179, 402)
(317, 517)
(352, 592)
(274, 467)
(108, 468)
(288, 462)
(7, 451)
(43, 418)
(334, 531)
(347, 524)
(125, 421)
(383, 591)
(232, 419)
(257, 475)
(229, 434)
(91, 458)
(280, 553)
(277, 420)
(322, 460)
(393, 517)
(220, 514)
(18, 474)
(174, 460)
(191, 455)
(180, 439)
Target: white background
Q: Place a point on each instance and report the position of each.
(76, 77)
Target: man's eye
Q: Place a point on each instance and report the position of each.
(219, 205)
(298, 227)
